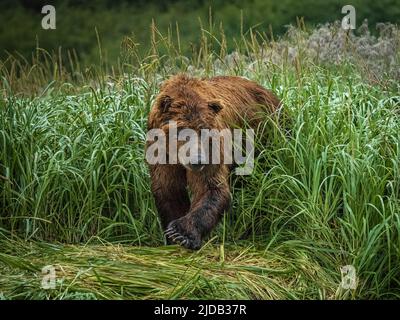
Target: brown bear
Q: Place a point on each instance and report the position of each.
(223, 102)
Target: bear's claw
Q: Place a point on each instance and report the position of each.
(178, 234)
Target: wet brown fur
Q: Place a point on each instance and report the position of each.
(215, 103)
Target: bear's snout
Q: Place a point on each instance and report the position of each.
(196, 167)
(194, 159)
(196, 163)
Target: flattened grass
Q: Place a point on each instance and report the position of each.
(127, 272)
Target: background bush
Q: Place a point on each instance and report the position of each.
(20, 21)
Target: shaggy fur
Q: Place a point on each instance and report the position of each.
(215, 103)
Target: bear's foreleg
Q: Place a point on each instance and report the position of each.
(211, 198)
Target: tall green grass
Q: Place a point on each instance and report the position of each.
(327, 194)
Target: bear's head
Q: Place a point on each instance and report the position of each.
(186, 119)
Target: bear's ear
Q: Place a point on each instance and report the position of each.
(165, 103)
(215, 106)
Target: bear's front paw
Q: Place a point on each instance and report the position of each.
(180, 232)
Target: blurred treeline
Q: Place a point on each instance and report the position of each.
(78, 20)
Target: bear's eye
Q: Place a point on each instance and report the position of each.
(215, 106)
(165, 103)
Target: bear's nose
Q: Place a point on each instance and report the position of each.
(197, 164)
(197, 167)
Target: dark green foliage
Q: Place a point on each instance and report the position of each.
(20, 22)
